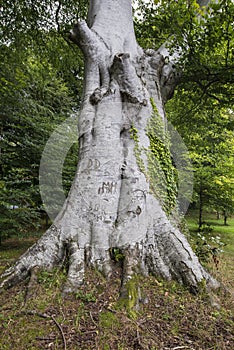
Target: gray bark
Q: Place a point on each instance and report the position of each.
(110, 203)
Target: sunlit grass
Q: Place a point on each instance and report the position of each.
(226, 232)
(225, 271)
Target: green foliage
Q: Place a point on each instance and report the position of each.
(34, 99)
(138, 150)
(207, 245)
(210, 55)
(46, 278)
(162, 173)
(208, 134)
(86, 297)
(213, 241)
(117, 254)
(27, 20)
(40, 84)
(203, 36)
(69, 167)
(160, 20)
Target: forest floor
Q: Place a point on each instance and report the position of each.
(170, 317)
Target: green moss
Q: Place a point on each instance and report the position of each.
(108, 320)
(202, 287)
(130, 297)
(86, 297)
(106, 347)
(53, 278)
(116, 254)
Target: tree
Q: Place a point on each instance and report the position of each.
(37, 94)
(223, 199)
(201, 107)
(208, 134)
(33, 101)
(115, 202)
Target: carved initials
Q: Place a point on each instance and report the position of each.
(108, 188)
(93, 164)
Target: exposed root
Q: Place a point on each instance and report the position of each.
(31, 285)
(162, 251)
(75, 276)
(46, 253)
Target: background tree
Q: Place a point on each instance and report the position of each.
(33, 101)
(209, 137)
(37, 94)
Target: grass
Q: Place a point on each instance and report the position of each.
(12, 248)
(226, 233)
(169, 316)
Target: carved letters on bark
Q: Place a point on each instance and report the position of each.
(92, 164)
(108, 188)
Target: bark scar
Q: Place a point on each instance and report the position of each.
(124, 73)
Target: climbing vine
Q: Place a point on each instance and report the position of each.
(138, 150)
(162, 173)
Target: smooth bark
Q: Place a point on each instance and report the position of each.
(111, 203)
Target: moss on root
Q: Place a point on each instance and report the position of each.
(130, 297)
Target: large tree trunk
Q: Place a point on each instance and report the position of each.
(113, 202)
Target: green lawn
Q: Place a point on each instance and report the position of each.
(226, 234)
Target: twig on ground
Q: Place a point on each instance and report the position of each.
(91, 316)
(46, 316)
(61, 331)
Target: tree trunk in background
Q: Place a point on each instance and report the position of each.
(200, 220)
(113, 202)
(225, 217)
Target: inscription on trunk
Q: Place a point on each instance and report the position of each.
(108, 188)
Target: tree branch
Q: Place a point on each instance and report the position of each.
(83, 36)
(202, 3)
(57, 15)
(171, 74)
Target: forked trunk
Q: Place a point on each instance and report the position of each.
(119, 192)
